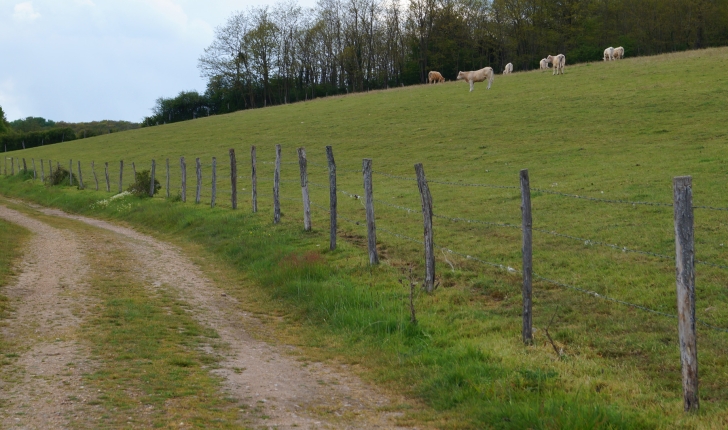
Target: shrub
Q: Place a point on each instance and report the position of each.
(59, 176)
(141, 184)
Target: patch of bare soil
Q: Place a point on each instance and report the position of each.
(278, 390)
(42, 387)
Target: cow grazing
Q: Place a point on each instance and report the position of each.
(509, 69)
(558, 62)
(618, 53)
(481, 75)
(543, 64)
(434, 77)
(608, 54)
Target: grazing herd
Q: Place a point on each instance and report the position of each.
(558, 63)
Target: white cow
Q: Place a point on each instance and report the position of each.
(544, 64)
(558, 62)
(509, 69)
(481, 75)
(618, 53)
(608, 54)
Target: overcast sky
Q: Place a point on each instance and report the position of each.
(86, 60)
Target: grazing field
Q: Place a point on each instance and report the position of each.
(613, 131)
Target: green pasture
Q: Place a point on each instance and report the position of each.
(616, 131)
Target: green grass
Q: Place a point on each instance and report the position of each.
(618, 130)
(13, 238)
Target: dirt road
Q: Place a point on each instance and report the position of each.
(49, 302)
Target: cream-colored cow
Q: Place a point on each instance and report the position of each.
(509, 69)
(618, 53)
(543, 64)
(608, 54)
(558, 62)
(481, 75)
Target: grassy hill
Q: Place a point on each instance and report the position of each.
(615, 131)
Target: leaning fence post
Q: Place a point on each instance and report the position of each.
(684, 262)
(426, 198)
(369, 201)
(183, 168)
(198, 191)
(80, 177)
(167, 183)
(70, 171)
(233, 179)
(276, 187)
(303, 166)
(332, 196)
(527, 253)
(35, 171)
(254, 176)
(121, 175)
(214, 182)
(42, 171)
(151, 177)
(106, 173)
(96, 179)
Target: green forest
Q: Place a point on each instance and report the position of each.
(286, 53)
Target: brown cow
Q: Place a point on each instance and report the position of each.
(435, 77)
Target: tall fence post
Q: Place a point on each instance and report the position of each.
(80, 176)
(233, 179)
(369, 202)
(121, 176)
(96, 179)
(183, 169)
(5, 171)
(50, 168)
(25, 167)
(303, 167)
(42, 171)
(70, 171)
(685, 274)
(276, 187)
(167, 183)
(198, 191)
(426, 199)
(332, 196)
(527, 254)
(133, 169)
(214, 182)
(35, 172)
(106, 173)
(12, 166)
(254, 177)
(151, 177)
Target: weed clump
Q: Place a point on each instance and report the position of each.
(142, 183)
(59, 176)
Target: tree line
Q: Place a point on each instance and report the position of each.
(285, 53)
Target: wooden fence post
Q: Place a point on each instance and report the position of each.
(183, 168)
(167, 183)
(5, 172)
(332, 196)
(50, 168)
(276, 187)
(198, 191)
(25, 167)
(303, 167)
(80, 177)
(151, 177)
(121, 176)
(214, 182)
(233, 179)
(426, 199)
(527, 254)
(106, 174)
(133, 168)
(684, 262)
(96, 179)
(12, 166)
(254, 175)
(70, 171)
(369, 201)
(35, 171)
(42, 171)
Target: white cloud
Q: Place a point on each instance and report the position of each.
(8, 101)
(25, 12)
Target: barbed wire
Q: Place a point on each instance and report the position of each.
(710, 208)
(409, 210)
(595, 199)
(435, 181)
(473, 221)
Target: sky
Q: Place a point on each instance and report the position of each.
(90, 60)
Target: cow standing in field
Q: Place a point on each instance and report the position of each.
(435, 77)
(608, 54)
(481, 75)
(558, 62)
(618, 53)
(543, 64)
(509, 69)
